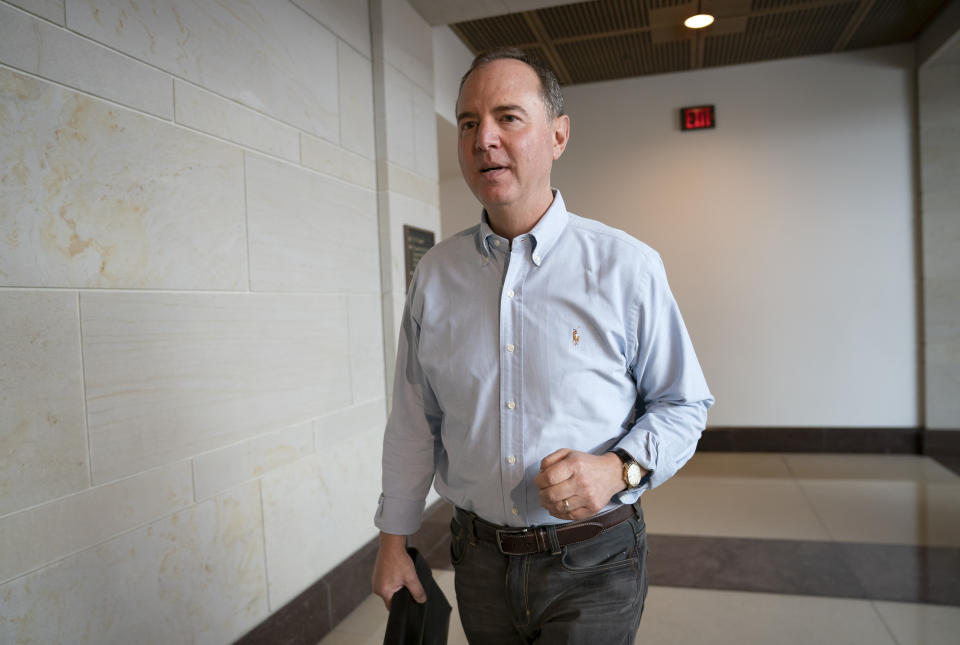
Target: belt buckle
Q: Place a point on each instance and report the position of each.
(499, 534)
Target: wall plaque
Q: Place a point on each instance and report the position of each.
(416, 242)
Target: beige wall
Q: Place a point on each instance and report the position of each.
(939, 95)
(192, 390)
(787, 232)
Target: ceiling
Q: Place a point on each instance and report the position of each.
(601, 40)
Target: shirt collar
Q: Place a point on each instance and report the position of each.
(545, 233)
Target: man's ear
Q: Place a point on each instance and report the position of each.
(561, 134)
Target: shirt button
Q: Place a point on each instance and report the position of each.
(515, 510)
(536, 258)
(510, 347)
(511, 459)
(511, 404)
(510, 293)
(496, 242)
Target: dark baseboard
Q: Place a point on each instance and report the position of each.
(908, 441)
(836, 440)
(942, 443)
(317, 610)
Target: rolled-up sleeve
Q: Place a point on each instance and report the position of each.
(411, 442)
(671, 387)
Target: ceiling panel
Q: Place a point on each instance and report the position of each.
(605, 39)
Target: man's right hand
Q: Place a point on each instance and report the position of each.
(394, 570)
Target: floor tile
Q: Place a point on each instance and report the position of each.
(735, 464)
(905, 573)
(371, 612)
(336, 637)
(921, 624)
(758, 508)
(894, 512)
(950, 463)
(702, 617)
(915, 468)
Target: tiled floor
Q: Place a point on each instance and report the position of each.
(780, 549)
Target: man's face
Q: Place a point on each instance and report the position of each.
(507, 142)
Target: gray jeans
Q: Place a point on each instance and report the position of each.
(591, 592)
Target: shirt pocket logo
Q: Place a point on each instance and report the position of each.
(576, 337)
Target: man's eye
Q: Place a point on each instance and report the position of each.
(510, 117)
(466, 125)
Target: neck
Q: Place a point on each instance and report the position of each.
(518, 219)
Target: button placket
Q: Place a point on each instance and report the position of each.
(511, 380)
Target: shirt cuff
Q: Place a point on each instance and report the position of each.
(399, 516)
(647, 451)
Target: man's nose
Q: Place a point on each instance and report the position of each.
(487, 136)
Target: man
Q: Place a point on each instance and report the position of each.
(544, 377)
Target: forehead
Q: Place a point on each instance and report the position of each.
(501, 81)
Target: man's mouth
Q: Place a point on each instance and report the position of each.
(487, 169)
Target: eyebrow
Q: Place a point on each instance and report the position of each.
(498, 109)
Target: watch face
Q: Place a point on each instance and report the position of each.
(633, 474)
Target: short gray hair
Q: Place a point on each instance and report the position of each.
(549, 86)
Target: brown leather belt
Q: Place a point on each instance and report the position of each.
(537, 539)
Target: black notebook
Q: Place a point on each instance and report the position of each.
(411, 623)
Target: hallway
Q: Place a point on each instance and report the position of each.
(781, 549)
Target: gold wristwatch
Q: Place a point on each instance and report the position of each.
(632, 472)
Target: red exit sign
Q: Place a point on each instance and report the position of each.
(699, 117)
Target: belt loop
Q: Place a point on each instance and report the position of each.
(554, 540)
(471, 527)
(636, 509)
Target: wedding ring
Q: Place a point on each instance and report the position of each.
(566, 506)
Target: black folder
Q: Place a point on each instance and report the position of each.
(412, 623)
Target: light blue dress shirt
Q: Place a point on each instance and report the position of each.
(567, 338)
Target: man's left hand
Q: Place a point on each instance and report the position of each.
(585, 481)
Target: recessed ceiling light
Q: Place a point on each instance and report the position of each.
(699, 21)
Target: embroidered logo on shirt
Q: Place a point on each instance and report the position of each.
(576, 337)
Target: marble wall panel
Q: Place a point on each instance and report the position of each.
(220, 469)
(206, 111)
(39, 48)
(309, 232)
(939, 128)
(407, 42)
(400, 180)
(196, 576)
(366, 347)
(356, 101)
(943, 383)
(940, 166)
(50, 9)
(264, 54)
(399, 130)
(43, 440)
(99, 196)
(332, 429)
(942, 350)
(425, 135)
(349, 20)
(173, 375)
(45, 533)
(331, 159)
(941, 237)
(317, 511)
